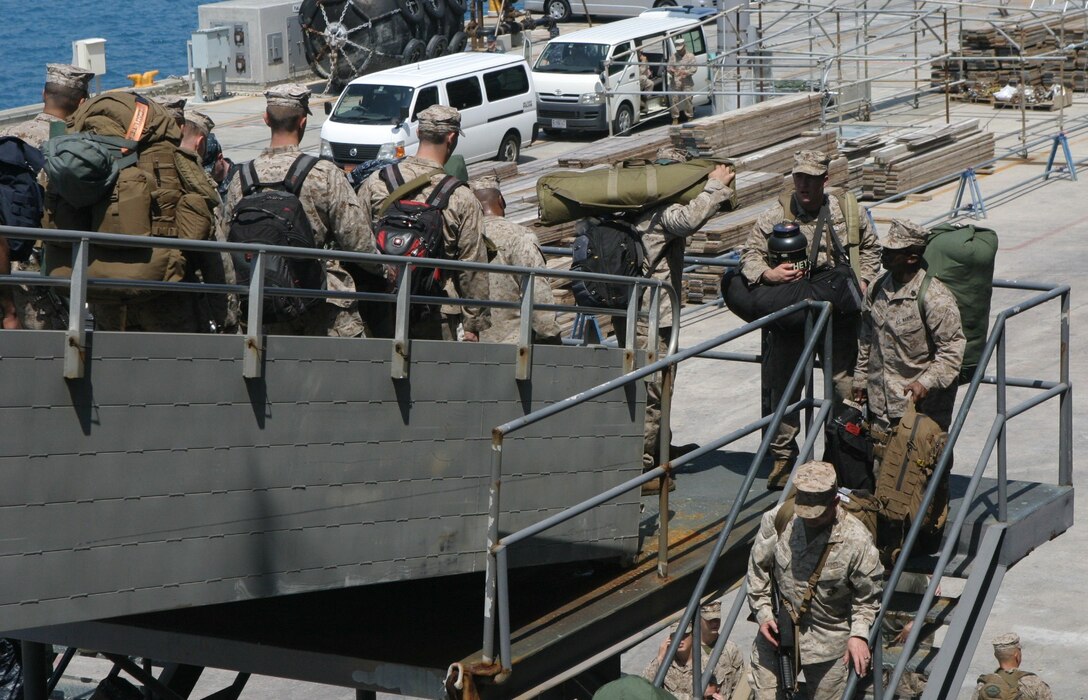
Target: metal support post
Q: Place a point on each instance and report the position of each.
(1065, 402)
(1002, 454)
(1062, 141)
(36, 670)
(664, 440)
(524, 365)
(75, 340)
(491, 570)
(968, 182)
(401, 344)
(254, 339)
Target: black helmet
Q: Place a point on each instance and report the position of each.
(788, 245)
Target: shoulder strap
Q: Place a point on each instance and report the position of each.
(296, 174)
(923, 288)
(391, 176)
(781, 519)
(784, 515)
(404, 190)
(440, 195)
(249, 181)
(848, 203)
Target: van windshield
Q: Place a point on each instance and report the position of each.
(373, 104)
(567, 57)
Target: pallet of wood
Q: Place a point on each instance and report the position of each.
(750, 128)
(911, 170)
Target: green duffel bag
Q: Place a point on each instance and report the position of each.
(962, 256)
(631, 186)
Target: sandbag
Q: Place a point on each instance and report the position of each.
(962, 257)
(631, 186)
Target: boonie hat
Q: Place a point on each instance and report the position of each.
(905, 234)
(1009, 640)
(439, 120)
(289, 95)
(816, 483)
(810, 163)
(68, 75)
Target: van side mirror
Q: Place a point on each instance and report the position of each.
(328, 108)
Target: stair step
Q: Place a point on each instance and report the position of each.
(920, 661)
(940, 612)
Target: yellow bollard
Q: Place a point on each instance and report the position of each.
(149, 77)
(136, 79)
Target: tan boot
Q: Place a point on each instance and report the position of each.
(652, 488)
(780, 474)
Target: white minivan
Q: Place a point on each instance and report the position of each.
(375, 116)
(574, 71)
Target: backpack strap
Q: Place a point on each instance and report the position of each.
(296, 174)
(781, 519)
(441, 194)
(392, 176)
(405, 188)
(851, 212)
(249, 182)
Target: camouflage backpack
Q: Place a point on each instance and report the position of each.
(1002, 685)
(120, 170)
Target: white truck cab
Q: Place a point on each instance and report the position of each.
(375, 116)
(574, 71)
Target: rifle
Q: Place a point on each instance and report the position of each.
(787, 652)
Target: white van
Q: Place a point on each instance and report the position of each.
(569, 71)
(564, 10)
(376, 114)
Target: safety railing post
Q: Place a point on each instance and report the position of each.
(506, 660)
(1060, 141)
(664, 440)
(524, 366)
(1002, 454)
(402, 345)
(491, 565)
(1065, 402)
(630, 333)
(75, 339)
(254, 339)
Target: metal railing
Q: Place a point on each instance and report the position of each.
(496, 633)
(648, 290)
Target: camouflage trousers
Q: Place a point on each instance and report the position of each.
(38, 308)
(323, 319)
(681, 104)
(782, 351)
(651, 437)
(823, 681)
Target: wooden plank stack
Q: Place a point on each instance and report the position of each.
(923, 156)
(750, 128)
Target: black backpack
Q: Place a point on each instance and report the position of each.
(413, 229)
(21, 200)
(271, 214)
(609, 247)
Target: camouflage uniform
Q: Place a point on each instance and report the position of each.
(783, 348)
(728, 673)
(463, 234)
(663, 232)
(38, 308)
(894, 350)
(335, 217)
(681, 68)
(846, 597)
(517, 245)
(1031, 687)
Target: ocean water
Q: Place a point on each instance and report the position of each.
(140, 35)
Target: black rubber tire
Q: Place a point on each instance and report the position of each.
(459, 7)
(457, 43)
(412, 10)
(665, 3)
(436, 46)
(435, 8)
(559, 10)
(624, 114)
(414, 51)
(510, 148)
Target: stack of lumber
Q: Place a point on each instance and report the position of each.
(1032, 37)
(613, 149)
(923, 156)
(750, 128)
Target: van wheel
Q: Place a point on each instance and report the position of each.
(458, 6)
(510, 148)
(436, 46)
(412, 10)
(457, 43)
(625, 119)
(665, 3)
(559, 10)
(413, 52)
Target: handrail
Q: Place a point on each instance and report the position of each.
(496, 612)
(995, 343)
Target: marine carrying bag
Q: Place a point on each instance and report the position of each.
(120, 170)
(1002, 685)
(21, 199)
(962, 257)
(631, 186)
(610, 247)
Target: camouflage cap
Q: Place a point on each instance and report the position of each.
(1009, 640)
(67, 76)
(678, 41)
(289, 95)
(484, 182)
(675, 153)
(710, 612)
(173, 104)
(810, 163)
(439, 120)
(905, 234)
(203, 121)
(815, 483)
